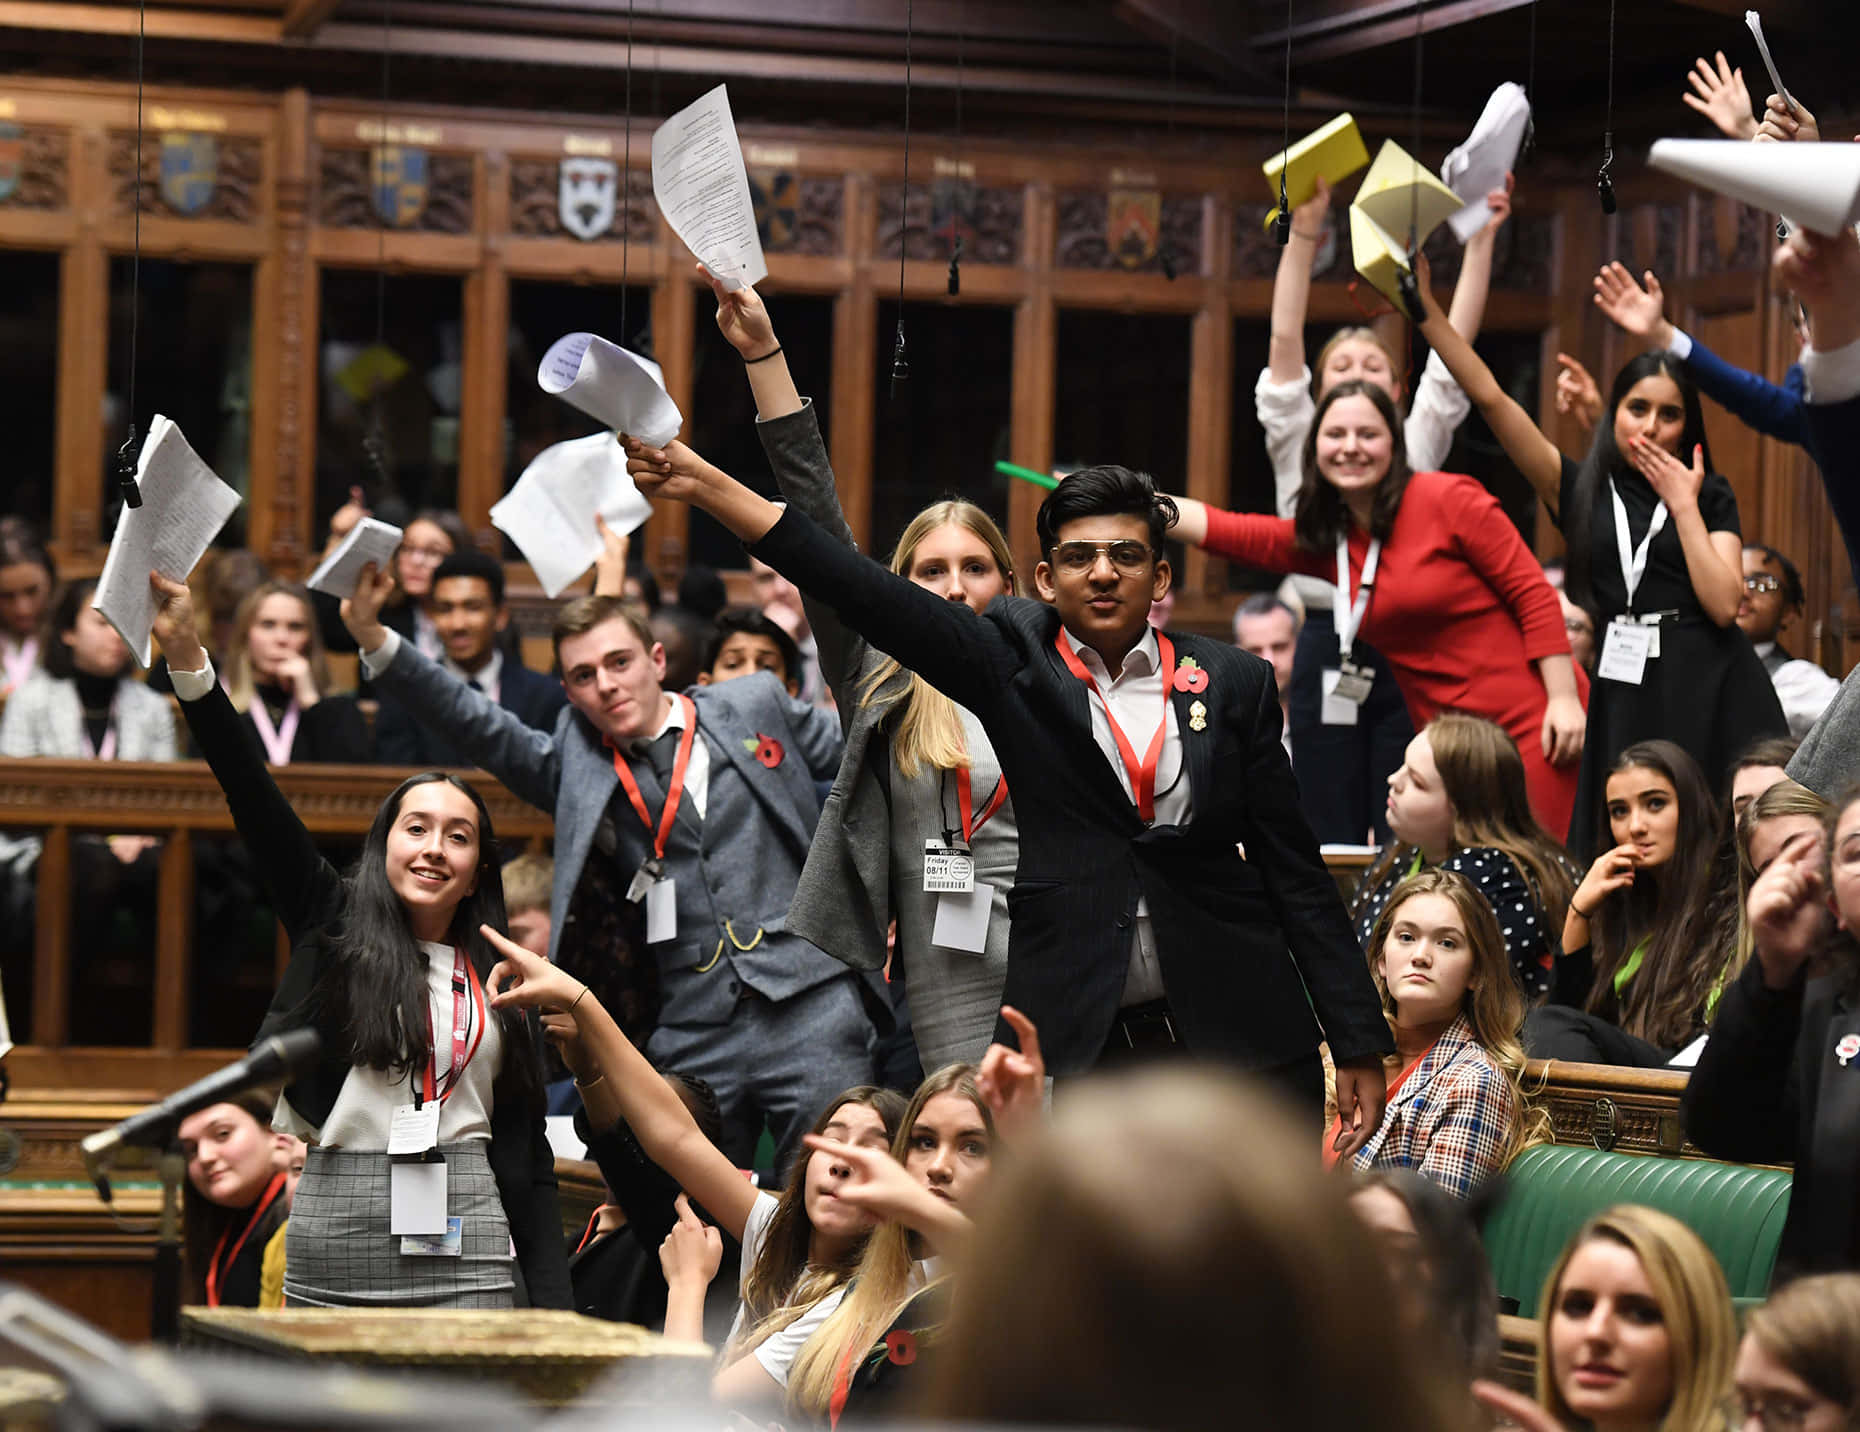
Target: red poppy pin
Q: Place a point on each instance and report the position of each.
(901, 1347)
(765, 749)
(1190, 677)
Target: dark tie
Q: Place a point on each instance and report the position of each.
(662, 751)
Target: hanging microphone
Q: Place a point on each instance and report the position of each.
(1604, 183)
(126, 470)
(271, 1059)
(900, 366)
(1281, 226)
(1166, 256)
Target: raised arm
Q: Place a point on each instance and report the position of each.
(1250, 538)
(955, 649)
(657, 1116)
(1517, 432)
(304, 888)
(1291, 287)
(1474, 286)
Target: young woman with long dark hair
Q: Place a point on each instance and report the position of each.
(1655, 547)
(235, 1198)
(28, 576)
(388, 965)
(1639, 962)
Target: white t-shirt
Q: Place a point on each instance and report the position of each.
(778, 1351)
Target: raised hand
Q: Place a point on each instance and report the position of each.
(1424, 281)
(1722, 97)
(1784, 124)
(346, 516)
(673, 471)
(295, 676)
(742, 318)
(173, 628)
(1499, 202)
(1577, 393)
(1672, 481)
(1013, 1083)
(693, 1249)
(361, 612)
(1309, 218)
(521, 980)
(1788, 909)
(1633, 309)
(1612, 870)
(562, 1031)
(610, 566)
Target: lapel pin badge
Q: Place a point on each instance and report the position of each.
(1190, 677)
(765, 749)
(1845, 1050)
(1197, 717)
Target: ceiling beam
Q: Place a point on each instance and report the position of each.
(1341, 28)
(303, 18)
(1209, 35)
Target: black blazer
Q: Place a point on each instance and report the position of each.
(403, 740)
(1771, 1088)
(1222, 923)
(307, 893)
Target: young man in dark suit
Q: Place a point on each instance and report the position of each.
(1138, 763)
(469, 611)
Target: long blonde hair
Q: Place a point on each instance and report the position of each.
(1694, 1302)
(239, 684)
(882, 1285)
(1493, 1004)
(929, 730)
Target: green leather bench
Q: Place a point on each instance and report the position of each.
(1554, 1189)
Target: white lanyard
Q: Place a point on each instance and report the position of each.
(19, 663)
(278, 739)
(1349, 615)
(1633, 563)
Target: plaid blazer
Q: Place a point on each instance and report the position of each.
(1451, 1120)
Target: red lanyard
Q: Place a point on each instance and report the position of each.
(214, 1266)
(1142, 775)
(965, 802)
(462, 973)
(686, 740)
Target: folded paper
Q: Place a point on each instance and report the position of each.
(618, 389)
(1479, 165)
(550, 513)
(1816, 185)
(1397, 195)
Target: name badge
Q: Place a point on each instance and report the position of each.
(1342, 702)
(417, 1199)
(661, 911)
(962, 920)
(948, 869)
(1626, 650)
(450, 1244)
(414, 1131)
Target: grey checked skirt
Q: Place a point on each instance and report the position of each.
(338, 1252)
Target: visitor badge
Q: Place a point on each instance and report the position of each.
(962, 919)
(1626, 651)
(948, 869)
(414, 1130)
(417, 1198)
(450, 1244)
(661, 911)
(1336, 710)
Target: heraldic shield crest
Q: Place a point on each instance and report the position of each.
(589, 193)
(12, 159)
(400, 184)
(1133, 225)
(189, 170)
(775, 197)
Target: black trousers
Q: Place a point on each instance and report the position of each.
(1298, 1084)
(1343, 771)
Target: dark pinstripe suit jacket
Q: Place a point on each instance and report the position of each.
(1223, 923)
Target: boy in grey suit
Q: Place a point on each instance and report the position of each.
(708, 831)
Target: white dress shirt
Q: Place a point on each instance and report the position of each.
(1802, 687)
(697, 774)
(1137, 698)
(488, 678)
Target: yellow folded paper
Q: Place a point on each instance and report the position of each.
(1336, 152)
(1396, 194)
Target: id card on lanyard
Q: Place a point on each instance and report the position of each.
(416, 1172)
(1346, 686)
(1630, 642)
(963, 903)
(649, 883)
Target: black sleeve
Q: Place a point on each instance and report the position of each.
(1718, 505)
(1573, 977)
(304, 888)
(1743, 1100)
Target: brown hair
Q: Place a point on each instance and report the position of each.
(1694, 1303)
(528, 882)
(1356, 334)
(928, 730)
(239, 684)
(1786, 797)
(1164, 1248)
(1809, 1327)
(203, 1221)
(1319, 515)
(584, 614)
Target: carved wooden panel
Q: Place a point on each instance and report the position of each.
(1651, 236)
(1256, 250)
(346, 198)
(799, 214)
(1525, 258)
(1145, 225)
(536, 205)
(1732, 237)
(188, 176)
(35, 167)
(989, 220)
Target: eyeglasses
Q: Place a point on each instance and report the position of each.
(425, 554)
(1763, 582)
(1129, 557)
(1773, 1414)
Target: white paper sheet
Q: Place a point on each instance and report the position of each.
(1755, 22)
(369, 540)
(559, 1129)
(549, 514)
(1479, 165)
(618, 389)
(184, 505)
(1816, 185)
(703, 189)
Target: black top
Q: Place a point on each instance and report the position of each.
(330, 731)
(1666, 584)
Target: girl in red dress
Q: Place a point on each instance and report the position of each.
(1434, 575)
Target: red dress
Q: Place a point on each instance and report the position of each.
(1460, 609)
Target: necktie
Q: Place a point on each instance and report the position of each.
(662, 751)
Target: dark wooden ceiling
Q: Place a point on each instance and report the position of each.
(1200, 67)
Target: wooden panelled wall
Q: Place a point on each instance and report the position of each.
(294, 200)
